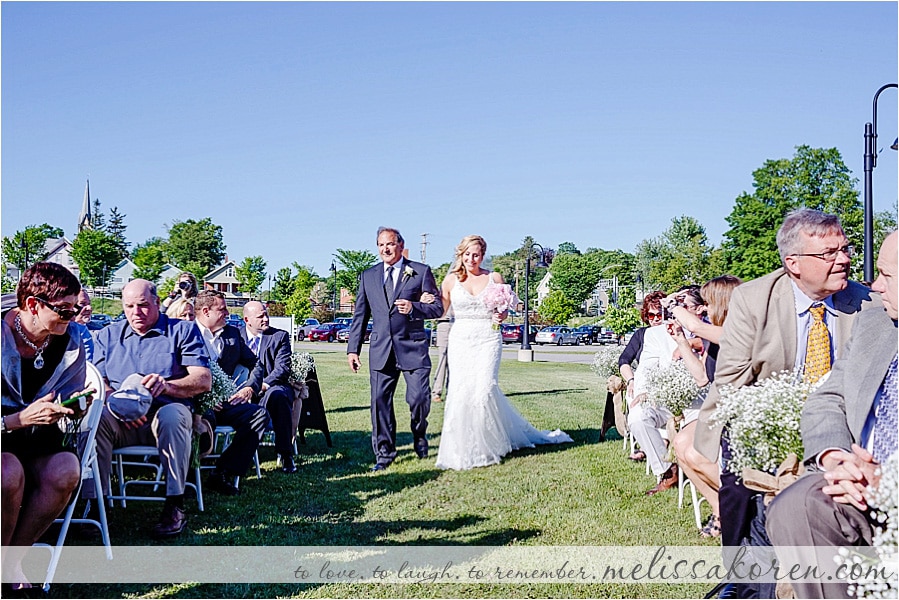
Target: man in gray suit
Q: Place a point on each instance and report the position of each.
(767, 330)
(848, 427)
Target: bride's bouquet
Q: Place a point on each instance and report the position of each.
(500, 298)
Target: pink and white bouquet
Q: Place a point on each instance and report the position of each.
(500, 298)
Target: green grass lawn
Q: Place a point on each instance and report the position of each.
(581, 494)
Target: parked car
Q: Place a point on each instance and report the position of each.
(512, 333)
(607, 337)
(344, 334)
(118, 317)
(308, 325)
(555, 334)
(588, 333)
(235, 320)
(344, 321)
(326, 332)
(98, 321)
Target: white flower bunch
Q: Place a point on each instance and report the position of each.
(301, 364)
(222, 388)
(605, 362)
(672, 387)
(883, 500)
(763, 420)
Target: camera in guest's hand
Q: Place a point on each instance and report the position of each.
(184, 285)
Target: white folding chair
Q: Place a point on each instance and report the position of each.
(146, 453)
(682, 482)
(223, 437)
(90, 473)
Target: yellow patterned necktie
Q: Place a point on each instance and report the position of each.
(817, 353)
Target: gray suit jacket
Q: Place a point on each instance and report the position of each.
(833, 416)
(759, 339)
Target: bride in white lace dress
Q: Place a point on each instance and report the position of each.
(480, 426)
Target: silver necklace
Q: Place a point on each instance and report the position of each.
(39, 352)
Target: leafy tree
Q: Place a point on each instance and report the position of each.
(441, 271)
(680, 256)
(149, 258)
(354, 262)
(96, 254)
(250, 274)
(511, 266)
(195, 246)
(116, 228)
(283, 285)
(299, 304)
(567, 248)
(556, 308)
(814, 178)
(622, 320)
(28, 246)
(575, 276)
(98, 220)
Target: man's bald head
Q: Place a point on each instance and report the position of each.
(140, 304)
(255, 315)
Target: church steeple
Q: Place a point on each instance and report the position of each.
(85, 219)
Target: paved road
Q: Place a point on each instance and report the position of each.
(568, 354)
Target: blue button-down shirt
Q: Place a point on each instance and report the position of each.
(167, 348)
(87, 339)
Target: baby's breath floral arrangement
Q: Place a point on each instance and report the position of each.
(605, 362)
(671, 387)
(763, 420)
(301, 364)
(222, 388)
(882, 499)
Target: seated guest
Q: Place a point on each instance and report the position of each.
(171, 357)
(651, 314)
(81, 320)
(269, 380)
(226, 346)
(43, 359)
(701, 471)
(644, 419)
(182, 308)
(848, 428)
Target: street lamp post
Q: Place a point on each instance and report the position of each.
(334, 297)
(870, 163)
(525, 354)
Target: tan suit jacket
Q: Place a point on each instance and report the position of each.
(759, 339)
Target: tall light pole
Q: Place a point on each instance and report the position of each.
(334, 297)
(526, 354)
(870, 163)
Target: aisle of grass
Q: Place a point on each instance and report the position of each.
(581, 494)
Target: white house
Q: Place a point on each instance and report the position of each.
(123, 273)
(543, 288)
(59, 251)
(222, 279)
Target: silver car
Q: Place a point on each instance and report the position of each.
(558, 335)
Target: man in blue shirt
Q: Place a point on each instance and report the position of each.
(81, 320)
(171, 357)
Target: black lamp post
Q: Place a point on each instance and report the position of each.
(870, 163)
(334, 297)
(525, 330)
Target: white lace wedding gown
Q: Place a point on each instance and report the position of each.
(480, 426)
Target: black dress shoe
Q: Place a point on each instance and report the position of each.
(218, 482)
(287, 465)
(421, 448)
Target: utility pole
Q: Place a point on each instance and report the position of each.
(424, 247)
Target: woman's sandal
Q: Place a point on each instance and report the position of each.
(638, 456)
(712, 528)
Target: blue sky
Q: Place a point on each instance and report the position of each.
(300, 128)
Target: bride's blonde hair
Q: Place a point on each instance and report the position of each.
(458, 269)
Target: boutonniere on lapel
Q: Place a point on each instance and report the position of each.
(408, 272)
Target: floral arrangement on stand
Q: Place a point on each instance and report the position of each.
(605, 362)
(301, 365)
(671, 387)
(881, 558)
(762, 420)
(500, 298)
(222, 388)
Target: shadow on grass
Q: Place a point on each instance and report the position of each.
(546, 392)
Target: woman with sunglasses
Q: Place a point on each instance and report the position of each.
(651, 314)
(43, 360)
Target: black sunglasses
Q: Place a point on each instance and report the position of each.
(66, 314)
